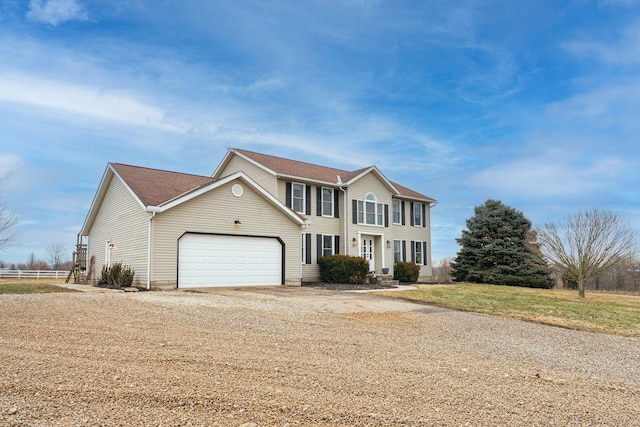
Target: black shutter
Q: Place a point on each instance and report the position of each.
(308, 199)
(386, 215)
(319, 201)
(424, 253)
(288, 194)
(404, 250)
(411, 219)
(319, 246)
(402, 212)
(336, 245)
(355, 210)
(307, 255)
(424, 215)
(336, 203)
(413, 251)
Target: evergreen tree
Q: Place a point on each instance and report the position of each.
(499, 247)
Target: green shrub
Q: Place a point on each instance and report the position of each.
(343, 269)
(406, 271)
(117, 276)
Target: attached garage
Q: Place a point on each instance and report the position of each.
(215, 260)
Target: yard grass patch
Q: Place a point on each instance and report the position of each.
(30, 286)
(598, 312)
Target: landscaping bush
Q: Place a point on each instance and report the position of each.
(406, 271)
(343, 269)
(117, 276)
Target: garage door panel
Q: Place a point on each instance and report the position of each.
(221, 260)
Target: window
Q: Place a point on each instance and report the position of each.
(327, 245)
(418, 253)
(397, 251)
(369, 211)
(327, 201)
(417, 214)
(397, 211)
(298, 197)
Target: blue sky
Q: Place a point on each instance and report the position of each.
(533, 103)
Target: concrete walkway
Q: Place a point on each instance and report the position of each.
(85, 288)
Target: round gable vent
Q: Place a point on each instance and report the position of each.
(237, 190)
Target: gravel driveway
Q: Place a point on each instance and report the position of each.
(297, 356)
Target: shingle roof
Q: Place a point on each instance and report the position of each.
(155, 187)
(283, 166)
(310, 171)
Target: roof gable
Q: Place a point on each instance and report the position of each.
(155, 187)
(288, 168)
(159, 190)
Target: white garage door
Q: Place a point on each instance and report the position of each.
(206, 260)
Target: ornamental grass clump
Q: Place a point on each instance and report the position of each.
(116, 276)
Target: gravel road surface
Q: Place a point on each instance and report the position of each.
(299, 356)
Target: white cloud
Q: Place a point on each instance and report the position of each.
(9, 163)
(558, 173)
(56, 12)
(622, 49)
(83, 100)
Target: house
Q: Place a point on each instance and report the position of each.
(258, 220)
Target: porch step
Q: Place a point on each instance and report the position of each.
(382, 279)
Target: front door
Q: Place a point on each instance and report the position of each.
(367, 252)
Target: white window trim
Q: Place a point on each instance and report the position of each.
(419, 244)
(304, 196)
(333, 244)
(393, 211)
(415, 222)
(331, 201)
(394, 250)
(303, 238)
(378, 211)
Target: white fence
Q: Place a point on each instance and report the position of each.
(33, 274)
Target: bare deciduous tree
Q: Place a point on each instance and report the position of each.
(442, 273)
(55, 254)
(587, 244)
(8, 220)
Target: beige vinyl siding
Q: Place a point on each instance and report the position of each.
(263, 178)
(408, 233)
(371, 183)
(215, 212)
(122, 220)
(318, 225)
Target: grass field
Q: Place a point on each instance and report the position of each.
(598, 312)
(30, 286)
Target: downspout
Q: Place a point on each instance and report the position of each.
(153, 210)
(345, 207)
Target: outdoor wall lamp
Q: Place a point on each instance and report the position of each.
(353, 242)
(388, 244)
(237, 222)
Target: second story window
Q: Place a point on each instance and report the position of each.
(417, 215)
(369, 211)
(298, 197)
(327, 201)
(397, 211)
